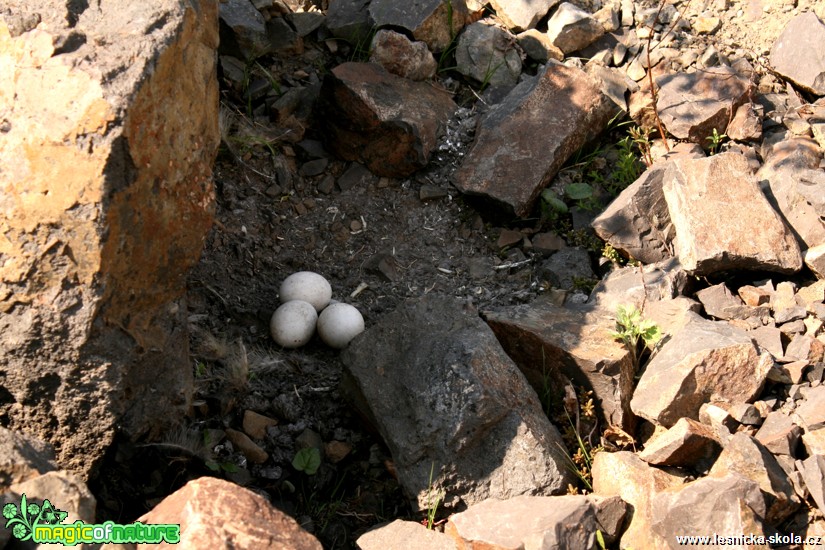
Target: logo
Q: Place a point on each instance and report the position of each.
(44, 524)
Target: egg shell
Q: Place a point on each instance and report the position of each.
(293, 323)
(338, 324)
(307, 286)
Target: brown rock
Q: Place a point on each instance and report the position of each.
(626, 475)
(813, 472)
(23, 457)
(546, 340)
(536, 522)
(213, 513)
(749, 458)
(804, 34)
(811, 412)
(538, 46)
(805, 348)
(692, 105)
(100, 224)
(400, 56)
(754, 296)
(405, 535)
(66, 491)
(572, 29)
(388, 123)
(520, 15)
(710, 236)
(509, 237)
(544, 119)
(779, 434)
(255, 424)
(429, 21)
(705, 361)
(336, 451)
(685, 444)
(249, 448)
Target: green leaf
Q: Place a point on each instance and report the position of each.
(307, 460)
(553, 201)
(578, 191)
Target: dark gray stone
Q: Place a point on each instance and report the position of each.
(455, 412)
(564, 267)
(243, 30)
(487, 53)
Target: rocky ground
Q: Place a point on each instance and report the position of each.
(286, 202)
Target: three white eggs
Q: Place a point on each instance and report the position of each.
(306, 305)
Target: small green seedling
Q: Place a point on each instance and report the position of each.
(715, 141)
(307, 460)
(631, 329)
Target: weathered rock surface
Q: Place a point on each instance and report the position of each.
(488, 54)
(382, 120)
(538, 46)
(100, 224)
(724, 506)
(745, 456)
(400, 56)
(213, 513)
(626, 475)
(243, 30)
(710, 234)
(576, 343)
(520, 15)
(405, 535)
(691, 105)
(813, 473)
(571, 28)
(22, 458)
(641, 286)
(685, 444)
(779, 434)
(803, 38)
(538, 522)
(444, 395)
(428, 20)
(522, 142)
(66, 491)
(703, 362)
(350, 20)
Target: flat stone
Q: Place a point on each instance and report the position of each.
(813, 472)
(626, 475)
(803, 35)
(754, 296)
(520, 15)
(305, 22)
(386, 122)
(811, 413)
(400, 56)
(405, 535)
(487, 53)
(350, 20)
(746, 124)
(719, 420)
(814, 441)
(565, 267)
(779, 434)
(745, 456)
(685, 444)
(255, 424)
(712, 237)
(805, 348)
(251, 450)
(812, 294)
(544, 119)
(557, 522)
(640, 287)
(547, 243)
(571, 28)
(428, 20)
(509, 237)
(538, 46)
(213, 513)
(705, 361)
(356, 175)
(442, 393)
(720, 303)
(692, 105)
(718, 505)
(243, 30)
(546, 340)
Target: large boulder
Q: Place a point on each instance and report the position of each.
(106, 195)
(459, 418)
(802, 38)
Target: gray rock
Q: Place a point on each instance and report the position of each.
(564, 267)
(520, 15)
(571, 28)
(719, 302)
(637, 222)
(543, 523)
(540, 120)
(710, 236)
(23, 457)
(454, 410)
(428, 20)
(487, 53)
(746, 124)
(779, 434)
(635, 286)
(350, 20)
(721, 505)
(405, 535)
(538, 46)
(802, 38)
(546, 340)
(685, 444)
(813, 473)
(304, 22)
(386, 122)
(747, 457)
(691, 105)
(703, 362)
(396, 53)
(243, 30)
(283, 39)
(811, 412)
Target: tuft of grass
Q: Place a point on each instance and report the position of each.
(434, 499)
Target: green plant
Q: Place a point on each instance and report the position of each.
(307, 460)
(715, 141)
(433, 500)
(612, 254)
(488, 74)
(627, 168)
(584, 195)
(632, 330)
(641, 138)
(222, 466)
(579, 463)
(448, 52)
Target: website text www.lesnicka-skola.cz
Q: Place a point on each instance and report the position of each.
(734, 540)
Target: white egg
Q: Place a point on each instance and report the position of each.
(338, 324)
(293, 323)
(307, 286)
